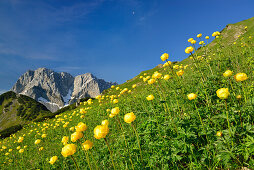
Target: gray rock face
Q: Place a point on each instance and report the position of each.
(56, 90)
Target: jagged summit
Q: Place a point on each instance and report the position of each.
(56, 90)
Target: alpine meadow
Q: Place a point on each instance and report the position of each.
(193, 114)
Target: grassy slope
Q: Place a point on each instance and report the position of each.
(169, 139)
(10, 103)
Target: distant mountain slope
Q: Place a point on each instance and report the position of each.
(56, 90)
(16, 110)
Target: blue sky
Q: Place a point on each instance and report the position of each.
(113, 39)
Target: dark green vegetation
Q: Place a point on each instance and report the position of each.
(17, 110)
(173, 131)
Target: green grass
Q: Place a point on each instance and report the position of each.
(172, 131)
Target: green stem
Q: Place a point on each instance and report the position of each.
(111, 154)
(138, 141)
(75, 162)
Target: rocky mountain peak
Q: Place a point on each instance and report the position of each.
(56, 90)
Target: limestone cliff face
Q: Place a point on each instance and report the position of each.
(56, 90)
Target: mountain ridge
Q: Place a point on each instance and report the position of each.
(58, 89)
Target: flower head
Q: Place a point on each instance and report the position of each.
(199, 35)
(223, 93)
(81, 127)
(53, 160)
(189, 50)
(180, 73)
(87, 145)
(101, 131)
(20, 139)
(129, 117)
(192, 96)
(65, 140)
(240, 77)
(37, 141)
(227, 73)
(150, 97)
(164, 57)
(219, 134)
(105, 122)
(68, 150)
(76, 136)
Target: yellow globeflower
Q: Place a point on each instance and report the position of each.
(240, 77)
(166, 77)
(164, 57)
(20, 139)
(190, 39)
(168, 63)
(156, 75)
(65, 140)
(112, 86)
(41, 148)
(238, 97)
(199, 35)
(87, 145)
(115, 111)
(207, 37)
(81, 127)
(117, 88)
(43, 135)
(101, 131)
(134, 86)
(129, 117)
(68, 150)
(227, 73)
(219, 134)
(223, 93)
(21, 150)
(151, 81)
(192, 96)
(176, 67)
(180, 72)
(193, 42)
(115, 101)
(105, 122)
(37, 141)
(76, 135)
(189, 50)
(53, 160)
(150, 97)
(217, 33)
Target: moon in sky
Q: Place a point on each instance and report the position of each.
(133, 12)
